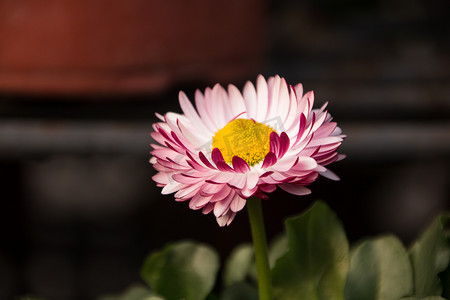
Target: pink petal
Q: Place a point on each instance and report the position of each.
(171, 120)
(208, 208)
(222, 194)
(274, 143)
(306, 163)
(165, 153)
(165, 135)
(159, 116)
(196, 166)
(171, 187)
(240, 165)
(162, 178)
(268, 188)
(177, 140)
(261, 195)
(285, 164)
(247, 192)
(186, 179)
(330, 175)
(319, 121)
(195, 139)
(298, 90)
(238, 181)
(224, 167)
(205, 160)
(216, 155)
(269, 160)
(266, 174)
(199, 201)
(217, 158)
(252, 179)
(188, 192)
(226, 219)
(301, 128)
(308, 102)
(221, 177)
(324, 140)
(298, 190)
(172, 166)
(341, 157)
(326, 129)
(157, 137)
(210, 189)
(284, 144)
(221, 207)
(237, 203)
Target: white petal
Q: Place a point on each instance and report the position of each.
(201, 108)
(263, 98)
(191, 113)
(219, 107)
(236, 102)
(273, 94)
(250, 100)
(196, 139)
(211, 109)
(283, 101)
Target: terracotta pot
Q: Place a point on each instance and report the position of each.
(125, 46)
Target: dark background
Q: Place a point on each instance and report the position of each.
(79, 211)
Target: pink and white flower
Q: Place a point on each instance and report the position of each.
(238, 145)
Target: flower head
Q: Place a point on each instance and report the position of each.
(238, 145)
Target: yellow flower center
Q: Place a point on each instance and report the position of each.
(248, 139)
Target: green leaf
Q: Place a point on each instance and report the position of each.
(379, 270)
(211, 297)
(184, 270)
(278, 247)
(240, 291)
(445, 278)
(426, 298)
(316, 264)
(430, 256)
(134, 292)
(239, 264)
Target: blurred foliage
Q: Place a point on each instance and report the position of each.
(312, 260)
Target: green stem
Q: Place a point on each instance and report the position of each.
(255, 214)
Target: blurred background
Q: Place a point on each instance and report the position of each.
(80, 82)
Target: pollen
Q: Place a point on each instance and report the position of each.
(248, 139)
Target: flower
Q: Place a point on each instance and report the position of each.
(238, 145)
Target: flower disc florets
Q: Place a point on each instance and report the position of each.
(247, 139)
(224, 151)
